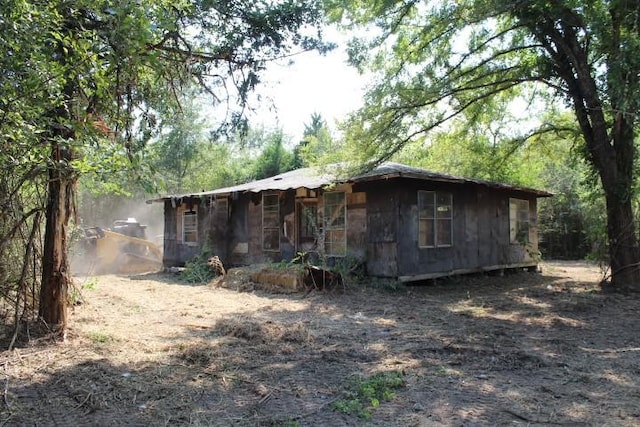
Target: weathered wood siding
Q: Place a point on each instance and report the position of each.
(480, 236)
(496, 248)
(218, 229)
(245, 230)
(175, 252)
(480, 232)
(382, 228)
(239, 233)
(287, 220)
(413, 260)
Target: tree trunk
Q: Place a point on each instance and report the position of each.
(618, 184)
(609, 139)
(55, 265)
(54, 289)
(623, 245)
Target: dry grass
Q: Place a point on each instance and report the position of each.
(523, 349)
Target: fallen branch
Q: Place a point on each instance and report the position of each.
(81, 404)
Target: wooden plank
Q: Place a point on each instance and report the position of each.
(457, 272)
(382, 259)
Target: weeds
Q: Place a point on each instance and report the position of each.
(198, 270)
(367, 394)
(76, 292)
(99, 337)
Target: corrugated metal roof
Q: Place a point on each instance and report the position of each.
(313, 178)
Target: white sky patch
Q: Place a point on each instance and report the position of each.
(290, 93)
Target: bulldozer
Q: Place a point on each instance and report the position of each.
(123, 249)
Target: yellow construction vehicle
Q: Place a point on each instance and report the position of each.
(122, 250)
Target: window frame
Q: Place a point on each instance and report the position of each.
(193, 228)
(522, 206)
(308, 227)
(273, 229)
(434, 218)
(330, 229)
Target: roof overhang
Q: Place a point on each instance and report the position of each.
(314, 178)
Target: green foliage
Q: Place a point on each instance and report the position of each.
(178, 151)
(317, 145)
(350, 268)
(367, 394)
(274, 158)
(198, 270)
(100, 338)
(85, 86)
(77, 296)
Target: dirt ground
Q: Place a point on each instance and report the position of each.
(519, 349)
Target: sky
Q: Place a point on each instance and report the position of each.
(314, 83)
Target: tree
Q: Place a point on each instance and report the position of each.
(175, 152)
(83, 75)
(274, 158)
(570, 224)
(438, 60)
(316, 143)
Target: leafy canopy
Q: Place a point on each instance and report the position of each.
(435, 61)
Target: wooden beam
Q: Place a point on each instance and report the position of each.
(461, 271)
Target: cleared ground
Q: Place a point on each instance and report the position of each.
(523, 349)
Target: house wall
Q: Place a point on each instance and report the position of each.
(480, 238)
(463, 253)
(237, 238)
(244, 230)
(244, 243)
(480, 230)
(175, 252)
(216, 230)
(381, 225)
(382, 212)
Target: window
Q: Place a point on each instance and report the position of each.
(519, 221)
(190, 227)
(435, 219)
(270, 222)
(335, 222)
(308, 223)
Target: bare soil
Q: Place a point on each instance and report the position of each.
(520, 349)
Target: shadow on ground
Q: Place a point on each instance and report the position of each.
(523, 349)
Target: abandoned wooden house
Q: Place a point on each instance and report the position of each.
(399, 221)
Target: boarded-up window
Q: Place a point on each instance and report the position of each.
(519, 221)
(190, 227)
(435, 219)
(270, 222)
(335, 223)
